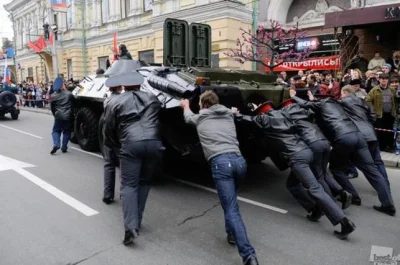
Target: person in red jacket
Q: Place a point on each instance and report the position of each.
(329, 87)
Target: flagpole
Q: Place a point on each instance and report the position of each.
(53, 46)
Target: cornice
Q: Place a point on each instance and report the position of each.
(26, 57)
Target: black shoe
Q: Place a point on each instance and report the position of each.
(346, 199)
(389, 210)
(356, 201)
(130, 237)
(64, 150)
(231, 239)
(353, 175)
(107, 200)
(54, 150)
(347, 228)
(316, 214)
(251, 261)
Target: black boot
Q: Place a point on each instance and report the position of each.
(231, 239)
(130, 236)
(107, 200)
(347, 228)
(356, 201)
(251, 261)
(54, 150)
(345, 198)
(389, 210)
(316, 214)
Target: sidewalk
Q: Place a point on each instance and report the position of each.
(390, 159)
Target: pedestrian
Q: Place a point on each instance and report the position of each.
(348, 144)
(110, 154)
(61, 105)
(131, 123)
(216, 129)
(281, 136)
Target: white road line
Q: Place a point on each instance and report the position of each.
(259, 204)
(10, 128)
(86, 210)
(89, 153)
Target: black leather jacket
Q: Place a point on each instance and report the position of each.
(132, 116)
(308, 131)
(330, 117)
(280, 133)
(362, 115)
(61, 105)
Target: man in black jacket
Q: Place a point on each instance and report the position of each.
(319, 145)
(61, 106)
(110, 154)
(348, 145)
(131, 123)
(363, 117)
(281, 135)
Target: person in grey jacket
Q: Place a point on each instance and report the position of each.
(217, 133)
(61, 106)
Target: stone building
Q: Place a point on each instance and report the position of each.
(86, 32)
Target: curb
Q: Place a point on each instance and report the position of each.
(389, 159)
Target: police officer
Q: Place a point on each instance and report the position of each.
(319, 145)
(110, 154)
(347, 145)
(363, 117)
(281, 135)
(132, 124)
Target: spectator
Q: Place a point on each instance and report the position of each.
(395, 84)
(330, 87)
(371, 80)
(376, 61)
(317, 77)
(382, 99)
(357, 90)
(359, 62)
(312, 84)
(285, 77)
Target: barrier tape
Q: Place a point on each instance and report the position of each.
(384, 130)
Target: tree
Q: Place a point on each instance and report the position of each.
(262, 47)
(7, 43)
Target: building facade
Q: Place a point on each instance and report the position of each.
(86, 32)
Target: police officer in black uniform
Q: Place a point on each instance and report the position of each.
(319, 145)
(110, 154)
(347, 145)
(132, 124)
(281, 135)
(363, 117)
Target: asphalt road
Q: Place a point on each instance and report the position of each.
(66, 223)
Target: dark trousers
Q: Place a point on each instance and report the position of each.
(226, 168)
(352, 147)
(376, 156)
(111, 161)
(386, 139)
(138, 164)
(61, 127)
(300, 164)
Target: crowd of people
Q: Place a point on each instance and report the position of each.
(376, 81)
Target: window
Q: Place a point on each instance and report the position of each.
(125, 7)
(148, 5)
(104, 10)
(69, 68)
(147, 56)
(103, 62)
(30, 71)
(69, 14)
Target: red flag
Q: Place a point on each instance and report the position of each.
(115, 48)
(34, 47)
(41, 43)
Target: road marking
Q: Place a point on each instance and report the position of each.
(10, 128)
(255, 203)
(89, 153)
(259, 204)
(7, 163)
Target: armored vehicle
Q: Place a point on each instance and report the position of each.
(186, 73)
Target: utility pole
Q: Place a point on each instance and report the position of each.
(255, 27)
(83, 10)
(54, 45)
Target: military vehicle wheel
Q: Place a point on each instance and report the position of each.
(14, 115)
(7, 99)
(73, 138)
(86, 129)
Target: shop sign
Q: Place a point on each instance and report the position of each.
(321, 43)
(392, 12)
(319, 64)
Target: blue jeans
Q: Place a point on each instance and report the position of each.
(226, 168)
(59, 127)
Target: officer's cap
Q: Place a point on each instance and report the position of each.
(286, 103)
(264, 107)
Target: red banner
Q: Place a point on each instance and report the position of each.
(319, 63)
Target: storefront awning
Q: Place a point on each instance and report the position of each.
(362, 16)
